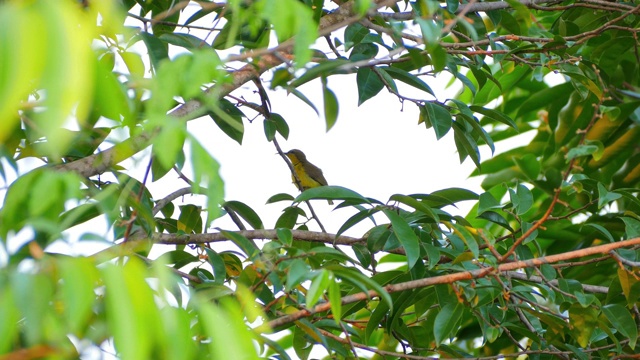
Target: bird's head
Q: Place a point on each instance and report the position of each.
(296, 154)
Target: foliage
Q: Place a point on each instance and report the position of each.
(545, 264)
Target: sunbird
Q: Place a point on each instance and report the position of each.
(309, 175)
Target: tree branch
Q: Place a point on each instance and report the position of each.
(451, 278)
(175, 239)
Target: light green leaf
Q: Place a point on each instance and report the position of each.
(225, 326)
(319, 285)
(335, 299)
(206, 171)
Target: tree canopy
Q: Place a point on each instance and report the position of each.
(545, 264)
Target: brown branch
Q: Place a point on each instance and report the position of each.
(373, 350)
(451, 278)
(175, 239)
(169, 198)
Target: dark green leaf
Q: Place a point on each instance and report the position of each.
(280, 197)
(369, 84)
(407, 237)
(245, 212)
(495, 218)
(622, 320)
(331, 193)
(436, 116)
(331, 107)
(157, 49)
(632, 227)
(447, 321)
(408, 78)
(495, 115)
(218, 265)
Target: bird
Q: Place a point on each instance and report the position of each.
(308, 175)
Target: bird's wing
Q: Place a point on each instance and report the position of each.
(315, 173)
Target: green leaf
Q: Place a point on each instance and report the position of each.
(468, 239)
(361, 281)
(487, 202)
(224, 324)
(419, 206)
(584, 150)
(447, 321)
(177, 258)
(466, 145)
(495, 218)
(306, 100)
(363, 254)
(530, 166)
(452, 6)
(331, 107)
(632, 227)
(132, 315)
(521, 198)
(584, 321)
(280, 197)
(406, 236)
(291, 18)
(206, 171)
(621, 319)
(246, 245)
(186, 41)
(217, 264)
(369, 84)
(436, 116)
(357, 217)
(281, 125)
(331, 193)
(602, 230)
(319, 285)
(354, 34)
(190, 220)
(408, 78)
(285, 236)
(495, 115)
(605, 196)
(229, 119)
(78, 294)
(431, 31)
(335, 299)
(270, 129)
(323, 69)
(245, 212)
(157, 49)
(297, 272)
